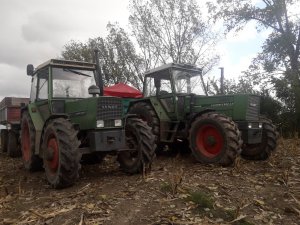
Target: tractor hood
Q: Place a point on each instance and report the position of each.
(239, 107)
(96, 112)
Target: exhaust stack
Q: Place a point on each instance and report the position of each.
(99, 79)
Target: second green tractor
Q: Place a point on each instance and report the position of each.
(215, 128)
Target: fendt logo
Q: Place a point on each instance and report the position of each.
(108, 107)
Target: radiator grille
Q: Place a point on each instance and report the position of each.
(109, 108)
(253, 108)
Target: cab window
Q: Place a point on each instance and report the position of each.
(43, 76)
(33, 88)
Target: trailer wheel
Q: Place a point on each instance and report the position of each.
(215, 138)
(146, 112)
(140, 141)
(4, 137)
(268, 145)
(61, 156)
(13, 148)
(31, 161)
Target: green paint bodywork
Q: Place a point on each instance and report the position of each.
(82, 112)
(177, 110)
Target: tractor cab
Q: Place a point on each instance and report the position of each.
(173, 79)
(174, 84)
(61, 79)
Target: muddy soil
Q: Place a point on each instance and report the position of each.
(177, 191)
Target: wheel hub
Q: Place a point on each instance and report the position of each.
(209, 140)
(49, 154)
(52, 154)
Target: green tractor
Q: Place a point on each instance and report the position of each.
(68, 120)
(215, 128)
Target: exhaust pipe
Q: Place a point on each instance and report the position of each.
(99, 78)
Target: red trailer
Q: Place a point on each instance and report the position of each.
(10, 115)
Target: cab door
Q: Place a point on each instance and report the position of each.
(167, 98)
(42, 101)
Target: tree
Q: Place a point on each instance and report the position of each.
(280, 56)
(118, 58)
(243, 85)
(172, 31)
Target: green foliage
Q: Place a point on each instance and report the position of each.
(201, 199)
(278, 64)
(173, 31)
(166, 188)
(117, 54)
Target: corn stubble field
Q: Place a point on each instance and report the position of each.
(177, 191)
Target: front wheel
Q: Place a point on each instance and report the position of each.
(61, 157)
(141, 146)
(263, 150)
(215, 138)
(31, 161)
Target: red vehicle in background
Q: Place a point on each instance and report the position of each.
(10, 115)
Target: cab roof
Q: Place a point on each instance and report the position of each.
(67, 63)
(164, 68)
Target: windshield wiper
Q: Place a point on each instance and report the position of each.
(76, 72)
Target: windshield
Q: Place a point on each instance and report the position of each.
(188, 83)
(72, 83)
(159, 86)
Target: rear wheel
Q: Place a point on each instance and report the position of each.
(31, 161)
(215, 138)
(61, 155)
(268, 145)
(4, 138)
(140, 141)
(13, 148)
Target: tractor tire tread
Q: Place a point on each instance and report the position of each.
(68, 171)
(232, 136)
(146, 147)
(35, 162)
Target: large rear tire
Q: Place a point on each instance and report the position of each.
(268, 145)
(4, 138)
(61, 156)
(13, 148)
(31, 161)
(140, 139)
(146, 112)
(215, 138)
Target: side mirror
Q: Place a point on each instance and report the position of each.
(94, 90)
(30, 70)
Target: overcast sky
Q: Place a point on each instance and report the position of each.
(33, 31)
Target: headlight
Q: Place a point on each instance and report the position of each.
(249, 125)
(100, 123)
(260, 125)
(118, 123)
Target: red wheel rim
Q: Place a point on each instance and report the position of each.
(53, 150)
(26, 151)
(209, 141)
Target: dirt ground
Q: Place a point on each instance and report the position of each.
(177, 191)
